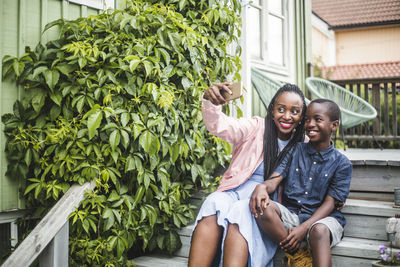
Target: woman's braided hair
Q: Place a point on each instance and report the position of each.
(272, 155)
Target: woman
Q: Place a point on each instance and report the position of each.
(258, 147)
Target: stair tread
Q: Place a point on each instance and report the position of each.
(359, 247)
(348, 247)
(386, 157)
(370, 207)
(160, 260)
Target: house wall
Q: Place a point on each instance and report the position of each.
(368, 45)
(297, 51)
(21, 26)
(323, 43)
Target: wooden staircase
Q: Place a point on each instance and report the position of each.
(375, 174)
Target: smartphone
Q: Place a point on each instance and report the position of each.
(236, 89)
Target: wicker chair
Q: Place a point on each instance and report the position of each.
(354, 109)
(265, 86)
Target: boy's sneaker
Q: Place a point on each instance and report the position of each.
(302, 258)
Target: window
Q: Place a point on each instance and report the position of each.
(268, 32)
(99, 4)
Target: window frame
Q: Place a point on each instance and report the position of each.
(97, 4)
(264, 62)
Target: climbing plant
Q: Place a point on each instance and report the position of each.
(117, 99)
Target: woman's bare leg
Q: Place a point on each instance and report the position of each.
(235, 248)
(205, 242)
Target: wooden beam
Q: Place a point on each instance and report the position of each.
(48, 227)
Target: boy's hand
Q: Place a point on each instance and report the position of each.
(339, 205)
(259, 200)
(292, 242)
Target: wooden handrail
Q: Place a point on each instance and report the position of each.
(48, 227)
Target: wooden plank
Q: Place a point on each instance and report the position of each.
(339, 261)
(184, 250)
(160, 260)
(360, 248)
(394, 110)
(371, 208)
(376, 100)
(372, 156)
(379, 196)
(48, 227)
(375, 178)
(364, 226)
(386, 108)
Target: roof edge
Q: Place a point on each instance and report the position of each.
(329, 26)
(363, 25)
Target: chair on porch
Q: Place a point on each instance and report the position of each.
(354, 109)
(265, 86)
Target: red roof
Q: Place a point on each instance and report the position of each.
(349, 13)
(362, 71)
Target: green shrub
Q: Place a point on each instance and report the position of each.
(117, 99)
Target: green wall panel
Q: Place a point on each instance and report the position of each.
(21, 26)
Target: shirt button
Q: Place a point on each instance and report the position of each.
(299, 201)
(310, 178)
(306, 193)
(314, 163)
(326, 174)
(297, 169)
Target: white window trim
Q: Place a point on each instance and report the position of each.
(98, 4)
(264, 63)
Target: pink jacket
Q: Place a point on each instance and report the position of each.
(246, 135)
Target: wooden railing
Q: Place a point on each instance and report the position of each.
(49, 239)
(384, 95)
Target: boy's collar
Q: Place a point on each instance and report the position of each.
(323, 153)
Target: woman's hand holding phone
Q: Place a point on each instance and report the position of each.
(221, 93)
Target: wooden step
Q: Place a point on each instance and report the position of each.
(375, 173)
(354, 252)
(367, 219)
(158, 260)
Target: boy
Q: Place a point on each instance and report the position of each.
(316, 176)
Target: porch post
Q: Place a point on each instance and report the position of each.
(245, 57)
(56, 252)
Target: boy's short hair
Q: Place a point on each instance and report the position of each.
(332, 108)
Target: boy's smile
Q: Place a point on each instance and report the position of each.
(319, 126)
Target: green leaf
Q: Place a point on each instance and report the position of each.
(149, 142)
(39, 70)
(115, 138)
(125, 138)
(94, 122)
(125, 119)
(134, 63)
(38, 100)
(56, 97)
(130, 164)
(139, 194)
(51, 77)
(147, 67)
(175, 40)
(173, 242)
(113, 196)
(18, 67)
(65, 68)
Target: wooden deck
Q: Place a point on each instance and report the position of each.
(385, 157)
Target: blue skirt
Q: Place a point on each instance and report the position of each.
(232, 206)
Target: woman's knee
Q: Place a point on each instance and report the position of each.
(319, 232)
